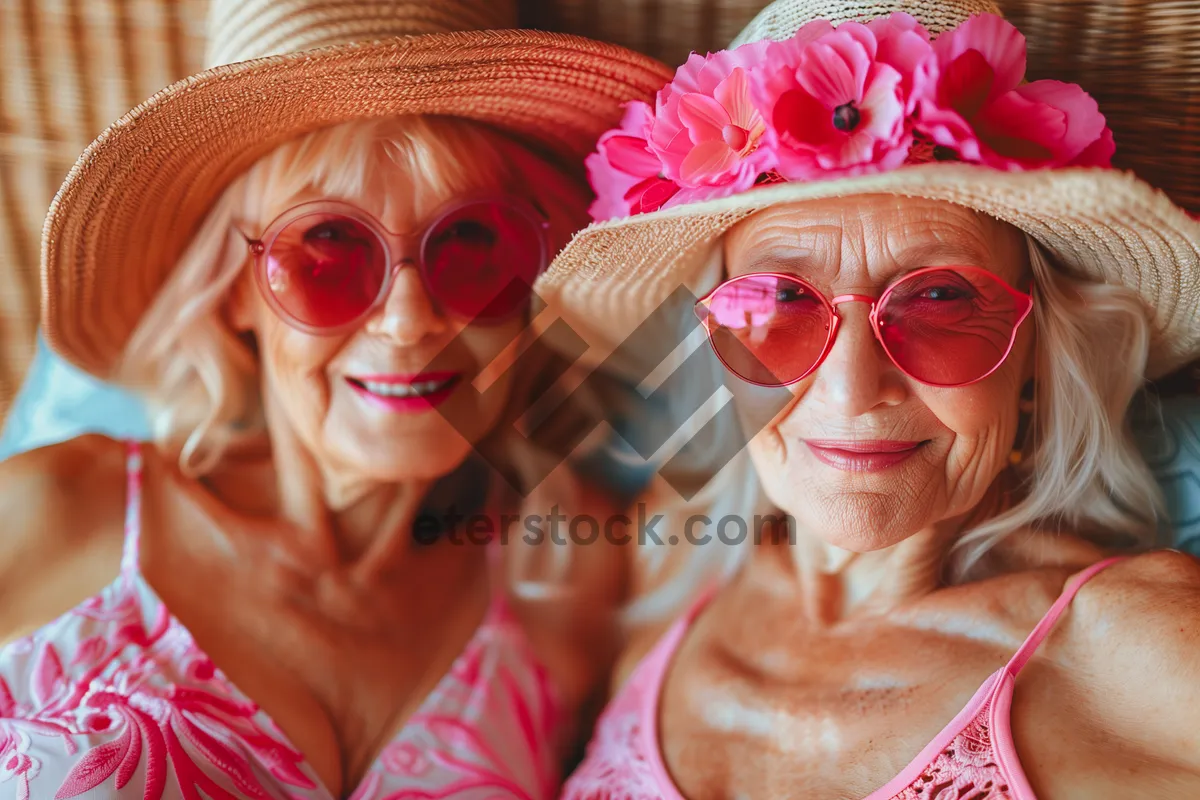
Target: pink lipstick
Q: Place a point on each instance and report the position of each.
(862, 456)
(405, 393)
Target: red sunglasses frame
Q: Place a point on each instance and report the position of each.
(391, 243)
(1025, 301)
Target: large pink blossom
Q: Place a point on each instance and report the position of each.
(706, 130)
(982, 110)
(903, 44)
(625, 174)
(837, 100)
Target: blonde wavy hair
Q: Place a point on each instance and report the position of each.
(1082, 471)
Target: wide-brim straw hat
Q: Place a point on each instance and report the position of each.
(280, 69)
(1097, 223)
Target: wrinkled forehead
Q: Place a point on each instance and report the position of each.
(872, 239)
(403, 200)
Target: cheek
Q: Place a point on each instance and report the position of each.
(489, 356)
(761, 410)
(485, 343)
(984, 416)
(764, 415)
(294, 366)
(982, 422)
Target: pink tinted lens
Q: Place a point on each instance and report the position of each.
(325, 270)
(481, 260)
(948, 327)
(768, 329)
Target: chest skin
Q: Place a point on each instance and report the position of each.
(759, 704)
(337, 666)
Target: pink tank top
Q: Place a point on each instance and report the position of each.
(973, 757)
(114, 701)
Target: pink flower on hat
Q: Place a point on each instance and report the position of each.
(706, 130)
(837, 100)
(625, 174)
(904, 44)
(982, 109)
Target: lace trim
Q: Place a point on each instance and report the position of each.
(966, 769)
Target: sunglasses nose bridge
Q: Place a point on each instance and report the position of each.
(402, 248)
(873, 302)
(400, 263)
(852, 298)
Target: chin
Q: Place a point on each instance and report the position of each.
(412, 455)
(855, 520)
(858, 540)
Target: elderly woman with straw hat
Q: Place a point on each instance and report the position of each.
(932, 301)
(311, 259)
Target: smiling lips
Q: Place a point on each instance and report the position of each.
(406, 394)
(862, 456)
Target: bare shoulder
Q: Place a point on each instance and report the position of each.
(1158, 591)
(1139, 626)
(62, 510)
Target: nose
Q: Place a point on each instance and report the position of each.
(408, 313)
(857, 376)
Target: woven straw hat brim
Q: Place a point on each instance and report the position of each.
(1104, 225)
(140, 190)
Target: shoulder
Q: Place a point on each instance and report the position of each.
(1158, 591)
(1139, 626)
(56, 481)
(62, 512)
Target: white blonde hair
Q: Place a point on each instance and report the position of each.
(201, 379)
(1083, 472)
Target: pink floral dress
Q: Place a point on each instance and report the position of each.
(115, 701)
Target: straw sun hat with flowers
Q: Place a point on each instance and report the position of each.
(834, 98)
(280, 69)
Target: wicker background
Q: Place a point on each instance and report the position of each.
(69, 67)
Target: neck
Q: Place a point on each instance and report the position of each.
(336, 518)
(832, 583)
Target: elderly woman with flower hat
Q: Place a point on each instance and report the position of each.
(312, 260)
(932, 301)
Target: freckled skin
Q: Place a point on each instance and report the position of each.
(828, 663)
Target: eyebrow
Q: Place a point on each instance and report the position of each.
(802, 260)
(948, 253)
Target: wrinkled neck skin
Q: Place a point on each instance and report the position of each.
(832, 584)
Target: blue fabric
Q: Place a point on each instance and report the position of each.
(59, 402)
(1171, 445)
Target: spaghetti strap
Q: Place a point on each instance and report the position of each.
(1022, 656)
(131, 549)
(652, 672)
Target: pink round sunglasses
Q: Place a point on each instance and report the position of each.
(941, 326)
(326, 265)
